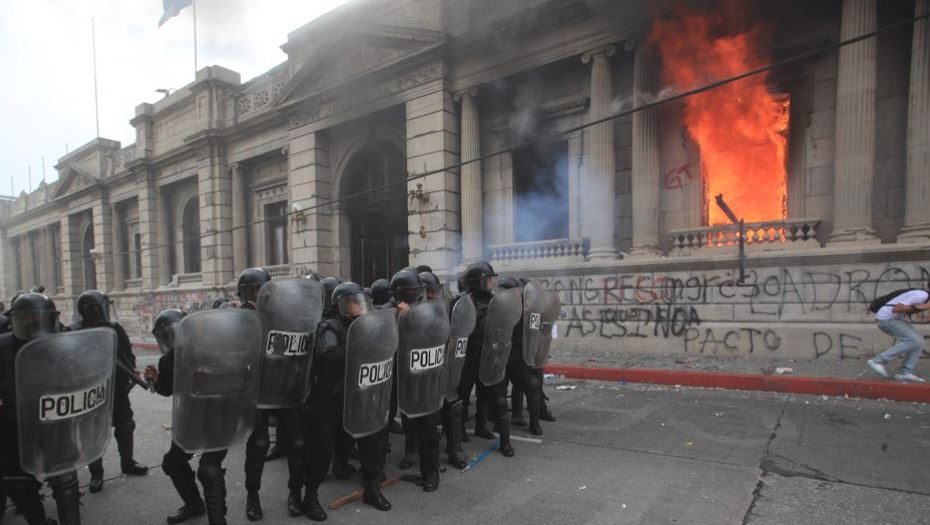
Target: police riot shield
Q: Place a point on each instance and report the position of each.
(503, 315)
(64, 388)
(292, 309)
(421, 358)
(462, 324)
(535, 299)
(549, 316)
(370, 348)
(216, 365)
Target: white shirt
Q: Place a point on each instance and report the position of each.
(907, 298)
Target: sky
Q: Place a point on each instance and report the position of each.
(47, 95)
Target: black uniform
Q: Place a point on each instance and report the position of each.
(176, 463)
(123, 423)
(19, 486)
(324, 414)
(453, 424)
(524, 381)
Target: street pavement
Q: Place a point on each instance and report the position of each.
(618, 454)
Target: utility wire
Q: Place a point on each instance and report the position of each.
(549, 138)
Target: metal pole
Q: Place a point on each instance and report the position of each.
(742, 256)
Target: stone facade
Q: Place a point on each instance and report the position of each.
(307, 167)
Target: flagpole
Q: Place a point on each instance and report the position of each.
(93, 36)
(194, 5)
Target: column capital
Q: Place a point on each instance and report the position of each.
(469, 92)
(598, 53)
(237, 169)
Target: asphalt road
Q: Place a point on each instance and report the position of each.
(619, 454)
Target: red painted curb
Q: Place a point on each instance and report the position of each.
(827, 386)
(145, 346)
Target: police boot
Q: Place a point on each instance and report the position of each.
(67, 498)
(214, 493)
(430, 474)
(411, 446)
(311, 505)
(516, 408)
(187, 512)
(481, 421)
(294, 503)
(371, 495)
(25, 494)
(544, 413)
(464, 419)
(96, 476)
(454, 450)
(503, 426)
(533, 406)
(253, 506)
(123, 435)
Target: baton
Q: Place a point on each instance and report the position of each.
(480, 457)
(132, 375)
(357, 495)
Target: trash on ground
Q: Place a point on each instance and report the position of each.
(718, 414)
(784, 370)
(887, 416)
(566, 387)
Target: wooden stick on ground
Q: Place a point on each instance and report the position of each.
(357, 495)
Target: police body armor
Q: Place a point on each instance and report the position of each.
(216, 364)
(503, 315)
(421, 358)
(371, 343)
(464, 316)
(64, 389)
(549, 316)
(292, 309)
(535, 300)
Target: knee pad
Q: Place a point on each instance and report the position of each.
(169, 467)
(210, 473)
(297, 444)
(259, 442)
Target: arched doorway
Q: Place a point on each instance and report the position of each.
(190, 230)
(377, 214)
(89, 266)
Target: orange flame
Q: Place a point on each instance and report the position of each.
(740, 127)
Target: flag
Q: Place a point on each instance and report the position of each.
(172, 8)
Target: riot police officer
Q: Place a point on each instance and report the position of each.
(406, 290)
(520, 374)
(94, 308)
(380, 292)
(329, 286)
(32, 316)
(176, 462)
(479, 279)
(325, 406)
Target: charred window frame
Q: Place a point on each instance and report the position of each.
(276, 233)
(540, 192)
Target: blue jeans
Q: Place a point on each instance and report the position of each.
(908, 342)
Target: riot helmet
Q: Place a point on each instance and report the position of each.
(250, 281)
(380, 292)
(33, 315)
(218, 303)
(165, 325)
(351, 300)
(424, 268)
(94, 307)
(406, 287)
(432, 285)
(313, 276)
(329, 285)
(478, 276)
(506, 282)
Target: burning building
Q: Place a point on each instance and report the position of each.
(351, 158)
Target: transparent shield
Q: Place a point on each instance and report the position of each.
(464, 316)
(421, 358)
(503, 315)
(549, 316)
(65, 392)
(371, 345)
(534, 302)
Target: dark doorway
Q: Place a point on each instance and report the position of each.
(377, 212)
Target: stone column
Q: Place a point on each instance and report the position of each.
(49, 260)
(472, 246)
(240, 234)
(646, 179)
(148, 231)
(917, 211)
(119, 249)
(165, 248)
(103, 243)
(27, 260)
(213, 185)
(433, 144)
(311, 187)
(857, 77)
(597, 187)
(70, 257)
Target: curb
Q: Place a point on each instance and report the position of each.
(145, 346)
(827, 386)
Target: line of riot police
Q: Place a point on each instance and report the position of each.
(327, 362)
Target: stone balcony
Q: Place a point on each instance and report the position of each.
(554, 251)
(279, 270)
(765, 236)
